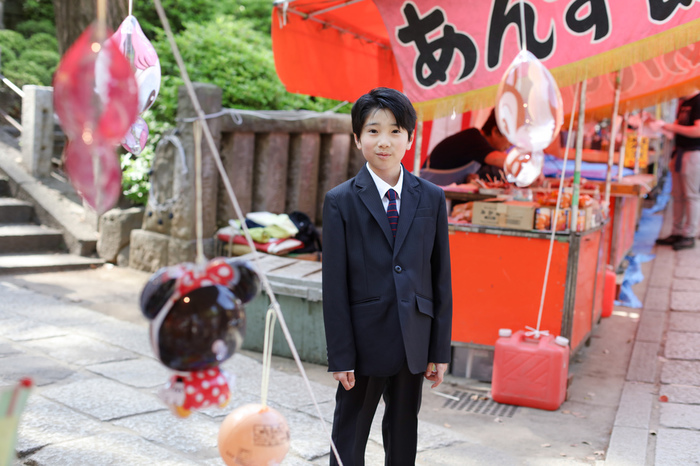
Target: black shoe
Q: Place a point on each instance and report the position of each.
(684, 243)
(669, 240)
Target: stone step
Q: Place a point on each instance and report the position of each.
(34, 263)
(4, 187)
(24, 238)
(15, 211)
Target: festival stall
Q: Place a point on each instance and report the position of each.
(449, 59)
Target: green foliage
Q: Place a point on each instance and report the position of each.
(226, 43)
(180, 12)
(42, 41)
(234, 56)
(11, 40)
(135, 176)
(17, 12)
(38, 9)
(34, 27)
(48, 59)
(136, 169)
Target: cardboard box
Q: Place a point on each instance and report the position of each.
(518, 215)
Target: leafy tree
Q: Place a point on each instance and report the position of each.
(226, 43)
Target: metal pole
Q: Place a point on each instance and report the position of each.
(417, 143)
(579, 153)
(623, 143)
(638, 146)
(611, 149)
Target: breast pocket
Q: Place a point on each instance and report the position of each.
(424, 213)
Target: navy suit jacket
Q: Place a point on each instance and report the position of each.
(386, 300)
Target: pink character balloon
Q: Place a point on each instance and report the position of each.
(146, 66)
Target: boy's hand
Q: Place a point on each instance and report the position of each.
(435, 373)
(345, 378)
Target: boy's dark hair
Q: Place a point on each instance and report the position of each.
(384, 98)
(490, 124)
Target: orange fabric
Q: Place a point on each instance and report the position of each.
(313, 58)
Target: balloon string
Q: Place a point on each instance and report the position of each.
(270, 320)
(197, 130)
(523, 32)
(556, 213)
(239, 213)
(101, 31)
(96, 170)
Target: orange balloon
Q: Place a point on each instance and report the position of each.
(253, 435)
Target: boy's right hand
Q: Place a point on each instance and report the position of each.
(347, 379)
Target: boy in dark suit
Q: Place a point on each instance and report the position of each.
(387, 293)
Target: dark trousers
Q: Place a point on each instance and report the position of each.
(355, 409)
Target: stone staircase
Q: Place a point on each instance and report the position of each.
(28, 247)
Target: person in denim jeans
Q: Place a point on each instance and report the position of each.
(685, 172)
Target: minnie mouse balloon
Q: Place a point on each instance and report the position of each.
(198, 330)
(246, 283)
(185, 393)
(528, 104)
(253, 435)
(523, 168)
(160, 288)
(93, 67)
(94, 172)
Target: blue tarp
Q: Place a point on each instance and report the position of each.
(592, 171)
(648, 230)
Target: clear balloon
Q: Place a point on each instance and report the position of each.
(94, 67)
(523, 168)
(529, 110)
(198, 330)
(94, 172)
(253, 435)
(135, 139)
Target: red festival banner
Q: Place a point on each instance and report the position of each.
(449, 56)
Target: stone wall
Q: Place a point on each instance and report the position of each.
(276, 161)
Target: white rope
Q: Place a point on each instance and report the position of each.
(236, 113)
(270, 320)
(523, 43)
(536, 332)
(197, 132)
(229, 189)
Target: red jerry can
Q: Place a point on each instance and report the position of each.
(609, 291)
(530, 371)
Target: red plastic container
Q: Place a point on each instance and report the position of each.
(609, 291)
(530, 372)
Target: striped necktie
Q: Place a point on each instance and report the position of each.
(392, 212)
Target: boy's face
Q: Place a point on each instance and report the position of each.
(383, 143)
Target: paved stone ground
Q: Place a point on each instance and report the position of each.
(658, 420)
(82, 340)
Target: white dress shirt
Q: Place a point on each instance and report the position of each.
(383, 187)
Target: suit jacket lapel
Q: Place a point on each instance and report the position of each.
(409, 203)
(367, 191)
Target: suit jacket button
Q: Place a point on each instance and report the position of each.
(398, 269)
